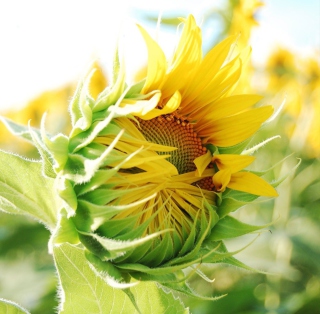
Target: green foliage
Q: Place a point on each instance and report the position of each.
(24, 191)
(80, 282)
(8, 307)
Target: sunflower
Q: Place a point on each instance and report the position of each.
(146, 169)
(183, 109)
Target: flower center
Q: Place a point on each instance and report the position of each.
(172, 130)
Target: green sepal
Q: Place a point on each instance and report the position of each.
(192, 255)
(262, 172)
(236, 149)
(81, 107)
(280, 180)
(209, 253)
(108, 249)
(134, 256)
(116, 227)
(103, 212)
(82, 219)
(189, 242)
(19, 130)
(139, 230)
(86, 137)
(184, 288)
(160, 252)
(100, 177)
(231, 260)
(135, 90)
(250, 151)
(67, 194)
(229, 227)
(240, 196)
(104, 267)
(46, 157)
(65, 231)
(229, 205)
(80, 169)
(174, 277)
(177, 242)
(110, 95)
(235, 262)
(57, 146)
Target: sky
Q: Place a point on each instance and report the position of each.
(46, 44)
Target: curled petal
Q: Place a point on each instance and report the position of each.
(202, 162)
(221, 179)
(157, 63)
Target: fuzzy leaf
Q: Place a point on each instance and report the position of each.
(8, 307)
(57, 145)
(84, 292)
(47, 160)
(24, 191)
(112, 93)
(32, 135)
(19, 130)
(150, 298)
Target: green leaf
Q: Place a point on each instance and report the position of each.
(84, 291)
(150, 298)
(8, 307)
(24, 191)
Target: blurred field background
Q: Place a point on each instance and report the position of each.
(48, 45)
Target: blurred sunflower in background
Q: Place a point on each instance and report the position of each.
(298, 78)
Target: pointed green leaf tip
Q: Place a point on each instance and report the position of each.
(84, 291)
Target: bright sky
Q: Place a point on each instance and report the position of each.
(45, 43)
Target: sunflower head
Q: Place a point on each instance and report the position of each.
(150, 172)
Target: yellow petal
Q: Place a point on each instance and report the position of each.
(186, 59)
(225, 107)
(139, 108)
(157, 63)
(221, 179)
(213, 60)
(225, 79)
(202, 162)
(234, 129)
(232, 162)
(251, 183)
